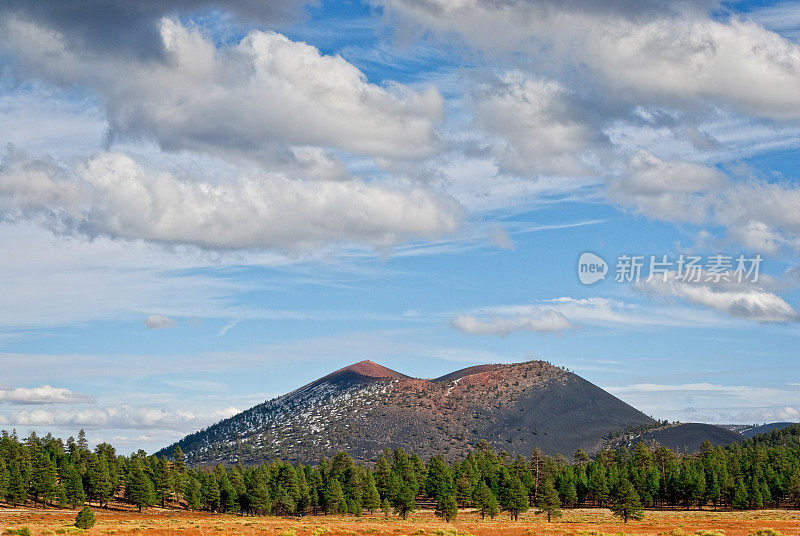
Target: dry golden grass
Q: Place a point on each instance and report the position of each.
(581, 522)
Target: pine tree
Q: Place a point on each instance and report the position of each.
(179, 459)
(17, 484)
(285, 491)
(515, 497)
(163, 481)
(383, 474)
(406, 501)
(303, 491)
(227, 495)
(446, 507)
(192, 492)
(61, 496)
(73, 486)
(139, 488)
(43, 478)
(439, 481)
(98, 479)
(567, 491)
(85, 518)
(625, 502)
(548, 501)
(385, 507)
(336, 501)
(794, 486)
(372, 499)
(83, 444)
(485, 500)
(740, 499)
(257, 493)
(4, 480)
(210, 492)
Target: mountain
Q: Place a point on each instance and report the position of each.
(688, 437)
(366, 407)
(764, 428)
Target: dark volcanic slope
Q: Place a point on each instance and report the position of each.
(365, 408)
(764, 428)
(689, 436)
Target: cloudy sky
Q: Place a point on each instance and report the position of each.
(204, 206)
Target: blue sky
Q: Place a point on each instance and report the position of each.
(202, 208)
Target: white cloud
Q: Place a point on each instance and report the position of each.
(267, 97)
(545, 322)
(606, 312)
(701, 387)
(671, 55)
(565, 313)
(712, 402)
(158, 322)
(539, 130)
(124, 416)
(739, 300)
(760, 215)
(113, 195)
(649, 175)
(44, 394)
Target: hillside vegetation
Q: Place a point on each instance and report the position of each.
(763, 472)
(365, 408)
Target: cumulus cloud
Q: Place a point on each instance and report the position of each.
(545, 322)
(44, 394)
(132, 28)
(603, 312)
(758, 214)
(158, 322)
(539, 128)
(266, 97)
(119, 417)
(564, 313)
(113, 195)
(672, 54)
(740, 300)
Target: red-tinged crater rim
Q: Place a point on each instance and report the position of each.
(371, 370)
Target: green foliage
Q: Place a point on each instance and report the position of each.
(139, 488)
(446, 507)
(485, 501)
(22, 531)
(372, 499)
(766, 532)
(513, 496)
(73, 486)
(336, 500)
(759, 473)
(406, 501)
(85, 518)
(548, 501)
(625, 502)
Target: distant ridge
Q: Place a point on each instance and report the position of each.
(688, 437)
(458, 374)
(366, 407)
(764, 428)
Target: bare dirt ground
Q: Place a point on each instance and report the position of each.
(581, 522)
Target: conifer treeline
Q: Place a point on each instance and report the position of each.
(759, 473)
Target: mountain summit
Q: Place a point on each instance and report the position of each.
(366, 407)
